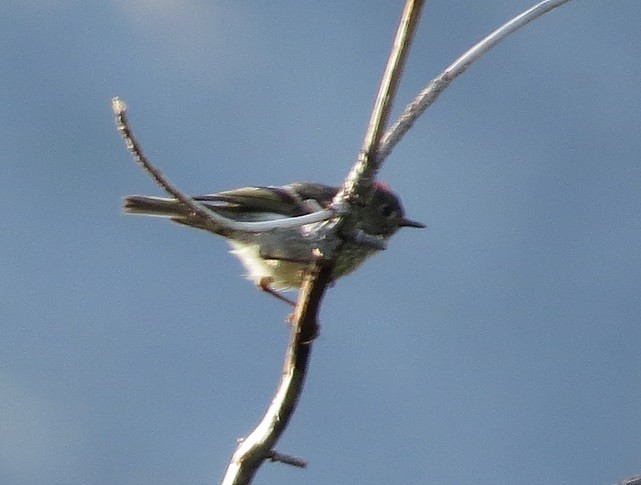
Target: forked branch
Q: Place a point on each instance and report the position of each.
(258, 446)
(358, 183)
(435, 87)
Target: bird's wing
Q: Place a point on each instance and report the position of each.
(288, 200)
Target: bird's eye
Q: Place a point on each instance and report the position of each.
(387, 211)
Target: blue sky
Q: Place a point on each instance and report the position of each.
(499, 345)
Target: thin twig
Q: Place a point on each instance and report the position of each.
(209, 218)
(435, 87)
(288, 460)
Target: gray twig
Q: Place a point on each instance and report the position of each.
(208, 218)
(288, 460)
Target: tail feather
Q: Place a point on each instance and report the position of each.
(152, 206)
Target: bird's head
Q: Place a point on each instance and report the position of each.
(385, 214)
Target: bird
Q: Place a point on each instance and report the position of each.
(270, 264)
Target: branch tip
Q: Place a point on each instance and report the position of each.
(119, 106)
(209, 218)
(362, 238)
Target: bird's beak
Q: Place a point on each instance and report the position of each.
(411, 223)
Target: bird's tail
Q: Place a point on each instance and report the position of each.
(153, 206)
(143, 205)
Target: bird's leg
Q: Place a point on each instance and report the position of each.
(264, 283)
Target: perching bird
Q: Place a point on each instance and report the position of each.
(265, 266)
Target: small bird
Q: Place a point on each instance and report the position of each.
(265, 264)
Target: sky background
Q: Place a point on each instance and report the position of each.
(499, 345)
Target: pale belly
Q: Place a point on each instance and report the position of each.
(288, 275)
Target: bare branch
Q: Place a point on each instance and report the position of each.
(359, 181)
(209, 218)
(426, 97)
(257, 447)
